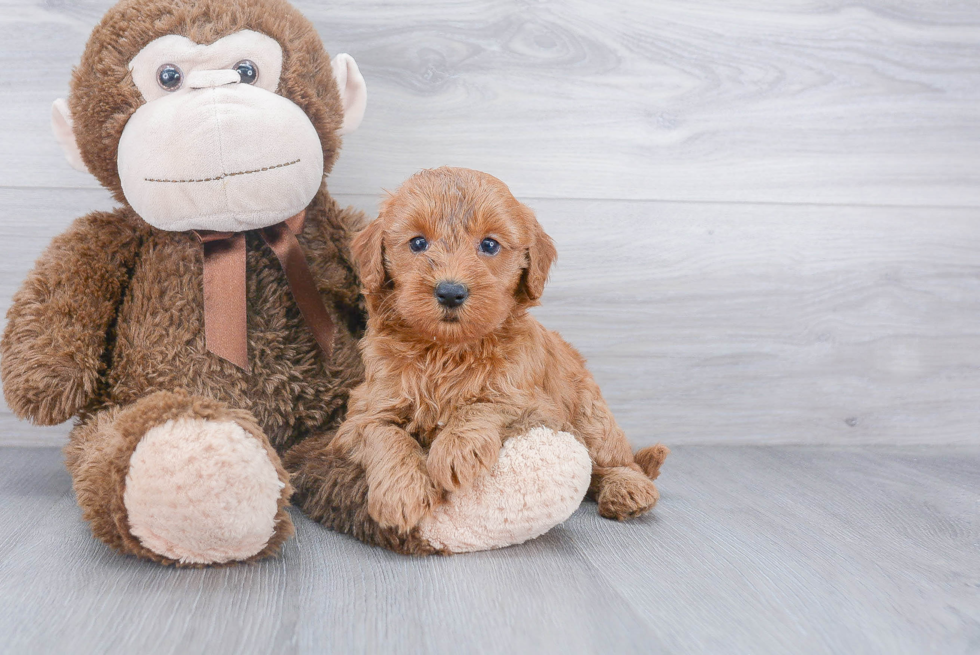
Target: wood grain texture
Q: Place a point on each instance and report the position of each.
(751, 550)
(815, 101)
(722, 323)
(817, 283)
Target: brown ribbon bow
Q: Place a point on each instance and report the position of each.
(225, 323)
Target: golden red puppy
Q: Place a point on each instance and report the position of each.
(455, 364)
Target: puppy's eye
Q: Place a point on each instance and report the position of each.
(418, 244)
(489, 247)
(248, 71)
(169, 77)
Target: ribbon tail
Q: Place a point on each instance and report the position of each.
(225, 321)
(282, 240)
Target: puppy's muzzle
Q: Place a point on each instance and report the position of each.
(451, 294)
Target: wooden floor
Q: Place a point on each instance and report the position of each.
(751, 550)
(768, 225)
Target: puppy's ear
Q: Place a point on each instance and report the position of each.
(541, 255)
(368, 250)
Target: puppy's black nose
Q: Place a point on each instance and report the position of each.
(451, 294)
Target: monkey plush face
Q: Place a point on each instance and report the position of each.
(214, 139)
(217, 125)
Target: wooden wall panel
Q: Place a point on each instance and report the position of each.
(829, 102)
(729, 323)
(767, 217)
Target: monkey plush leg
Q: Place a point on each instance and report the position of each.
(331, 487)
(537, 482)
(180, 479)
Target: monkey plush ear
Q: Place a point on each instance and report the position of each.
(353, 91)
(62, 125)
(368, 250)
(541, 255)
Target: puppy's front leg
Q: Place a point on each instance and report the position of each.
(468, 445)
(400, 491)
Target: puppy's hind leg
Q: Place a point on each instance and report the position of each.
(622, 484)
(651, 458)
(622, 492)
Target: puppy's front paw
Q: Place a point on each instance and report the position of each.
(625, 493)
(457, 459)
(400, 499)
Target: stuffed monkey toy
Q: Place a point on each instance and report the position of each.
(210, 322)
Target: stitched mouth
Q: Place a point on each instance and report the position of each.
(224, 175)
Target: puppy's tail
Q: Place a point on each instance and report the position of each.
(651, 458)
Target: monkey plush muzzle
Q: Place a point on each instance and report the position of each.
(227, 157)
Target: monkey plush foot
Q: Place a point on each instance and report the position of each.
(181, 480)
(539, 479)
(202, 492)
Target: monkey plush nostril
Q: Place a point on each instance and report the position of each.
(451, 294)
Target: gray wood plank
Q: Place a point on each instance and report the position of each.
(767, 324)
(327, 593)
(542, 597)
(732, 323)
(804, 550)
(32, 482)
(829, 101)
(751, 550)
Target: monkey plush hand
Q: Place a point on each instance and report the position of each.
(209, 322)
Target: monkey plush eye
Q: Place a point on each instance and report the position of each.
(418, 244)
(489, 246)
(169, 77)
(248, 71)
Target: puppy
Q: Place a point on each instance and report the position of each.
(455, 364)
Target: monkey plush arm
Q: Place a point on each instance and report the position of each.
(329, 243)
(51, 355)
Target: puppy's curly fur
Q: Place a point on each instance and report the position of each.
(445, 386)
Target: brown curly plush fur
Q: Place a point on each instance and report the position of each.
(103, 95)
(113, 310)
(99, 455)
(331, 488)
(445, 387)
